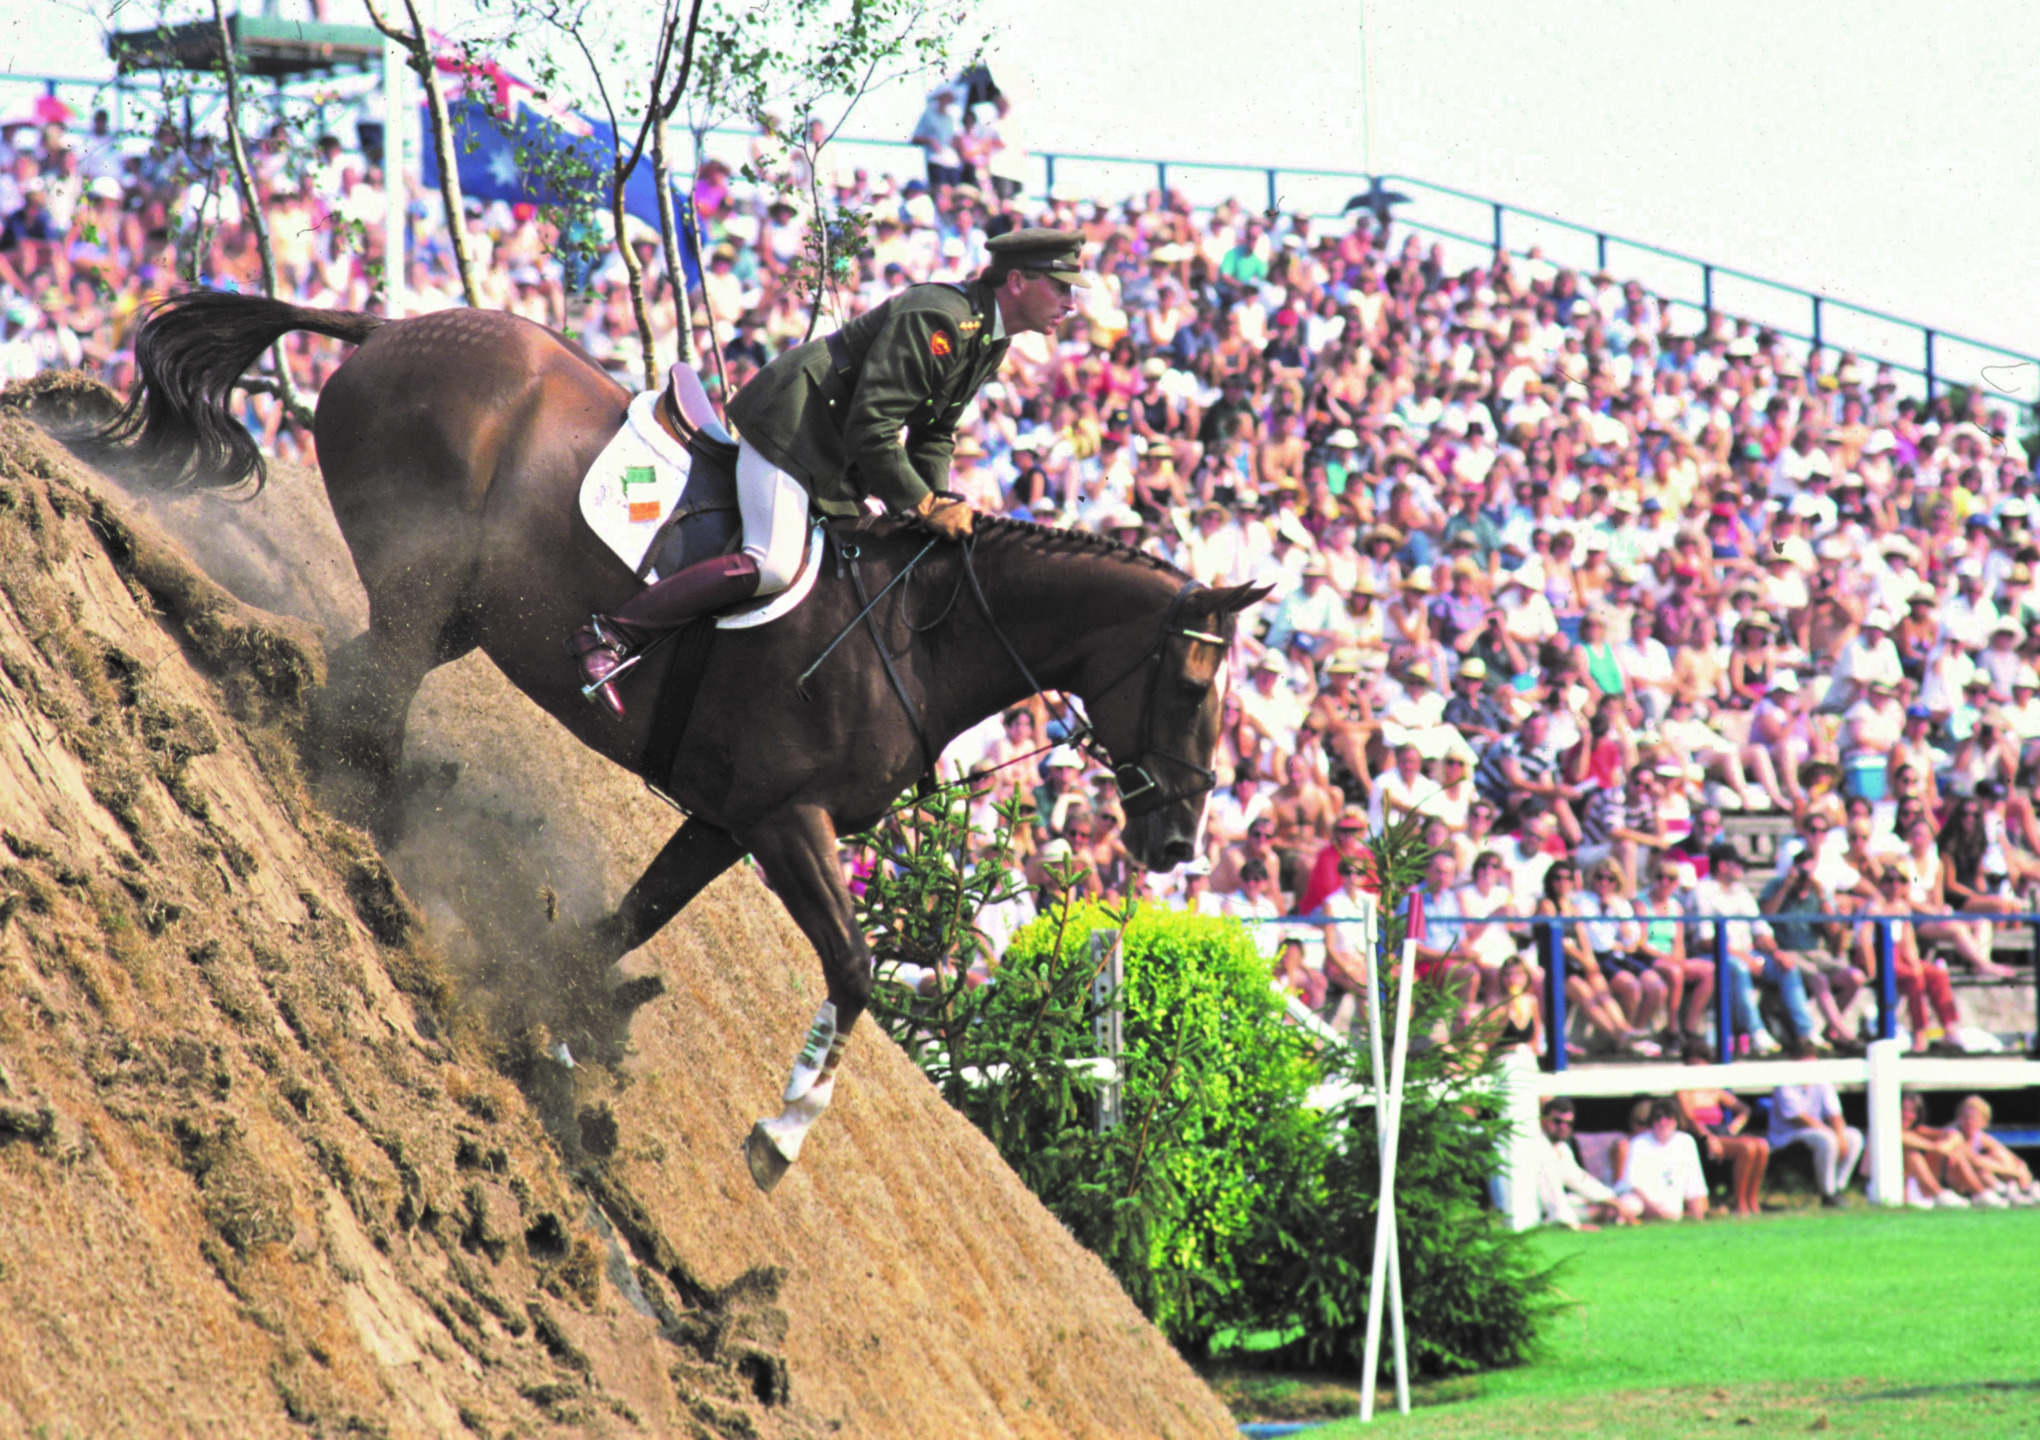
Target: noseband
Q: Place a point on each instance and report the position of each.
(1139, 792)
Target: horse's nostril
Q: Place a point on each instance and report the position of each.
(1177, 852)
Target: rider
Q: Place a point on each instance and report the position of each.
(821, 428)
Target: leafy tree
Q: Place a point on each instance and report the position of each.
(417, 44)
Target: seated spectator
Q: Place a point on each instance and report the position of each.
(1523, 767)
(1664, 1168)
(1295, 974)
(1718, 1121)
(1445, 951)
(1256, 898)
(1566, 1194)
(1689, 979)
(2007, 1173)
(1257, 846)
(1328, 871)
(1519, 1023)
(1489, 945)
(1617, 942)
(1586, 989)
(1925, 879)
(1940, 1168)
(1807, 947)
(1401, 791)
(1347, 968)
(1811, 1115)
(1723, 893)
(1920, 978)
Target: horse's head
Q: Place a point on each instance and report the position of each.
(1158, 720)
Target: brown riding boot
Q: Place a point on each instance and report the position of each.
(700, 589)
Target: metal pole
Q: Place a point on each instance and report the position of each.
(1048, 191)
(2033, 1046)
(1818, 343)
(1724, 1011)
(1600, 253)
(396, 202)
(1105, 1024)
(1930, 362)
(1162, 177)
(1496, 205)
(1707, 291)
(1366, 101)
(1887, 984)
(1272, 196)
(1553, 962)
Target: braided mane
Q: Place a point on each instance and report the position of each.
(1049, 538)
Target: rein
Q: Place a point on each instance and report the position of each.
(1139, 791)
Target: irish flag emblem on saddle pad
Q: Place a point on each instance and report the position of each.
(634, 483)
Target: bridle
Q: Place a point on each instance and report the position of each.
(1140, 793)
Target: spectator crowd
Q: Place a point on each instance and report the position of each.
(1575, 576)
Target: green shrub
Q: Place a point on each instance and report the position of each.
(1223, 1202)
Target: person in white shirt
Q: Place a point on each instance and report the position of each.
(1402, 791)
(1869, 657)
(1566, 1194)
(1664, 1172)
(1811, 1115)
(1968, 616)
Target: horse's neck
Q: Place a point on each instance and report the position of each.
(1057, 612)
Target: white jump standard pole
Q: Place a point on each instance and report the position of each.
(1387, 1278)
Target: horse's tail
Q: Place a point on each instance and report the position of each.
(176, 429)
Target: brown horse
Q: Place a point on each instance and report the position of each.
(453, 446)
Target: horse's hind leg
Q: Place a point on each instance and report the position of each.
(358, 720)
(798, 850)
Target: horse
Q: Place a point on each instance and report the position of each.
(452, 446)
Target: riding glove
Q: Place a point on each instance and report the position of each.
(949, 518)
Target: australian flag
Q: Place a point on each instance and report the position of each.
(511, 144)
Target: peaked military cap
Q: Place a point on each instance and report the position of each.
(1053, 252)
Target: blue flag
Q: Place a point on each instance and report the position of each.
(496, 160)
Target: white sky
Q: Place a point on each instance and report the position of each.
(1880, 152)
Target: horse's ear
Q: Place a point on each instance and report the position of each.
(1230, 599)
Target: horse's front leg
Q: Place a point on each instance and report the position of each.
(798, 850)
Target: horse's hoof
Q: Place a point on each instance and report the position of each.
(768, 1166)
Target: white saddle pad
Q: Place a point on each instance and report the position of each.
(635, 483)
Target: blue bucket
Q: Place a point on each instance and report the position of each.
(1864, 775)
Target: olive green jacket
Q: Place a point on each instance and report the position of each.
(830, 412)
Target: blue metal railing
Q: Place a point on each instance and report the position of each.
(1931, 355)
(1545, 935)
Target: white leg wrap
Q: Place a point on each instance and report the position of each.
(814, 1053)
(812, 1087)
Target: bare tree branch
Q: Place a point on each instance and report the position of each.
(418, 42)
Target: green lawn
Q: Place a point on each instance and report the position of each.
(1867, 1323)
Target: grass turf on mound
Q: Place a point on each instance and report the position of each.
(1865, 1323)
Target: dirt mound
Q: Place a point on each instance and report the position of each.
(288, 1136)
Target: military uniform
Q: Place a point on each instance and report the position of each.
(826, 418)
(830, 412)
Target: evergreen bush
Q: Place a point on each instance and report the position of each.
(1227, 1205)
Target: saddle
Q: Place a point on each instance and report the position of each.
(705, 523)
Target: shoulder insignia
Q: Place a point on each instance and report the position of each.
(938, 343)
(970, 326)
